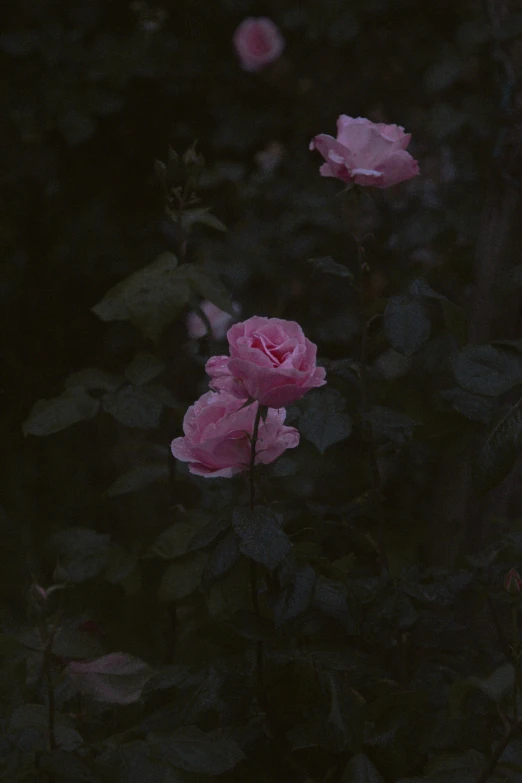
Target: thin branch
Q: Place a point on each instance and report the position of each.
(501, 747)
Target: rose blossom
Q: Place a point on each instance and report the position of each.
(366, 153)
(217, 436)
(270, 361)
(258, 43)
(219, 321)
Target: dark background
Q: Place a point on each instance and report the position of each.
(93, 92)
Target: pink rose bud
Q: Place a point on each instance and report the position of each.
(271, 361)
(218, 429)
(258, 43)
(218, 319)
(513, 582)
(366, 153)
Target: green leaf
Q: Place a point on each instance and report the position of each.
(455, 317)
(455, 767)
(296, 597)
(406, 324)
(144, 368)
(50, 416)
(472, 406)
(390, 426)
(486, 370)
(420, 287)
(361, 770)
(500, 449)
(134, 406)
(120, 566)
(137, 762)
(222, 558)
(116, 678)
(93, 379)
(193, 750)
(323, 419)
(328, 266)
(201, 216)
(173, 542)
(209, 288)
(81, 554)
(498, 685)
(71, 643)
(182, 577)
(67, 767)
(261, 537)
(347, 712)
(138, 478)
(248, 625)
(151, 298)
(331, 599)
(36, 716)
(230, 593)
(209, 532)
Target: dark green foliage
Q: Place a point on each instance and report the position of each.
(406, 323)
(353, 627)
(323, 419)
(499, 449)
(260, 536)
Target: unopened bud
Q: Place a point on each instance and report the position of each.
(193, 158)
(513, 582)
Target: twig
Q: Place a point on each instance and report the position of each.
(363, 381)
(51, 708)
(492, 763)
(254, 587)
(253, 443)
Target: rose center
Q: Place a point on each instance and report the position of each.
(258, 43)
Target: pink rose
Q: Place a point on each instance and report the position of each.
(366, 153)
(258, 43)
(219, 321)
(271, 361)
(217, 436)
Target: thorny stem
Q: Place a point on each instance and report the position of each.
(363, 381)
(515, 648)
(492, 763)
(51, 708)
(253, 565)
(182, 235)
(253, 444)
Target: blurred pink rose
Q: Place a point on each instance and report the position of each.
(116, 678)
(217, 436)
(258, 43)
(270, 361)
(366, 153)
(219, 321)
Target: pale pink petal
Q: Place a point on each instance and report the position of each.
(397, 168)
(366, 177)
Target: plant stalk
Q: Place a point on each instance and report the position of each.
(368, 440)
(514, 626)
(254, 587)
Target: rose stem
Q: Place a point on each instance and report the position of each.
(253, 564)
(363, 380)
(50, 692)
